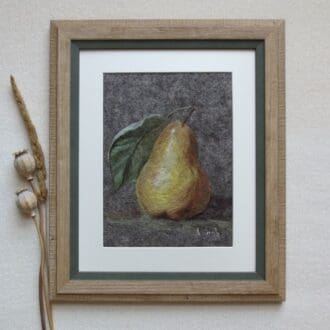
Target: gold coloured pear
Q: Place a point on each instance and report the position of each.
(172, 183)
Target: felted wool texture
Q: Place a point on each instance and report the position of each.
(129, 97)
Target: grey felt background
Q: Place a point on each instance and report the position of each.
(128, 97)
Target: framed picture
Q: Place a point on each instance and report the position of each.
(167, 161)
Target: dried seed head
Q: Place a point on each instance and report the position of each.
(27, 202)
(25, 164)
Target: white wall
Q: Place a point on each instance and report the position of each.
(24, 41)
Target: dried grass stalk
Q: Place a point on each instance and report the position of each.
(38, 154)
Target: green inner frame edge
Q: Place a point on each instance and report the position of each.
(259, 48)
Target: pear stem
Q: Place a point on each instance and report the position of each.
(178, 109)
(189, 115)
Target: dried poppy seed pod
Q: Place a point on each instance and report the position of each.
(25, 164)
(27, 202)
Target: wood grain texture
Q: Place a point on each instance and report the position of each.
(272, 289)
(271, 166)
(167, 287)
(52, 205)
(166, 29)
(281, 160)
(63, 160)
(166, 298)
(275, 160)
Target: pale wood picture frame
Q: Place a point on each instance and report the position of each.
(64, 286)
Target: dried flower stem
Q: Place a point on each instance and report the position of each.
(38, 184)
(35, 186)
(41, 301)
(41, 286)
(33, 136)
(42, 266)
(42, 222)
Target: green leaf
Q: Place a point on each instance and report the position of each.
(131, 148)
